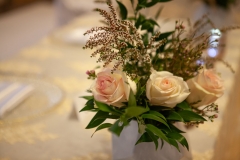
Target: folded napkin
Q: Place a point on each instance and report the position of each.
(11, 94)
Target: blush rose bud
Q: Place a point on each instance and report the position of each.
(91, 74)
(88, 72)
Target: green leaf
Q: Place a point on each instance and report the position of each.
(156, 118)
(172, 129)
(164, 35)
(90, 102)
(153, 137)
(164, 128)
(175, 129)
(147, 25)
(144, 138)
(131, 100)
(190, 116)
(157, 114)
(157, 131)
(103, 107)
(124, 119)
(153, 2)
(174, 143)
(180, 138)
(141, 4)
(106, 108)
(123, 10)
(145, 39)
(153, 22)
(174, 116)
(135, 111)
(162, 143)
(116, 110)
(141, 88)
(87, 97)
(158, 12)
(184, 105)
(141, 128)
(88, 106)
(129, 45)
(116, 128)
(142, 1)
(108, 117)
(96, 121)
(146, 104)
(161, 48)
(102, 126)
(139, 21)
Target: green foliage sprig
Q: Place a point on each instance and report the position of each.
(154, 124)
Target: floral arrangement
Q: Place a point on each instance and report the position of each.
(154, 78)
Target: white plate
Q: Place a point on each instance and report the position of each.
(42, 99)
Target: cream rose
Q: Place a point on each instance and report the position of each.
(205, 88)
(111, 89)
(165, 89)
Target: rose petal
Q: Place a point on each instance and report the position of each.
(148, 89)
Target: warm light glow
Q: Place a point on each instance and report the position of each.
(212, 52)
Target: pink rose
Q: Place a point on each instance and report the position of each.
(111, 89)
(165, 89)
(206, 88)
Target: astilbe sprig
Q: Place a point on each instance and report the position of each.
(114, 40)
(121, 42)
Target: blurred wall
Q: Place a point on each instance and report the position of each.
(6, 5)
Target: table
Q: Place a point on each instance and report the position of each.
(59, 134)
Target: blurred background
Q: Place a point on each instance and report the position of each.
(24, 22)
(41, 52)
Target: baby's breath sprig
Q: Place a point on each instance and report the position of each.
(210, 111)
(225, 29)
(184, 52)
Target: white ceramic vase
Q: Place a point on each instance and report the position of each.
(123, 147)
